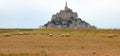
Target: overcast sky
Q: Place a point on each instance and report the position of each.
(33, 13)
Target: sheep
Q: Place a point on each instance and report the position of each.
(50, 35)
(110, 36)
(115, 35)
(65, 35)
(6, 34)
(20, 33)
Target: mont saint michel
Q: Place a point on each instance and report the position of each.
(67, 19)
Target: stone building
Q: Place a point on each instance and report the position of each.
(67, 19)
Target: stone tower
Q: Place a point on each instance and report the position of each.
(66, 19)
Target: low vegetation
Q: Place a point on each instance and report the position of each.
(59, 42)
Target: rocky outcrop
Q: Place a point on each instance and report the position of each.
(67, 19)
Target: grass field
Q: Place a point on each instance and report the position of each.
(59, 42)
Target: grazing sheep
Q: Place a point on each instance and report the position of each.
(67, 35)
(6, 34)
(63, 35)
(110, 36)
(20, 33)
(115, 35)
(50, 35)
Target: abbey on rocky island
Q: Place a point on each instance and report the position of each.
(67, 19)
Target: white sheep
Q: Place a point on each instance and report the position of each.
(51, 35)
(65, 35)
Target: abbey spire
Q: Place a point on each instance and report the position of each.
(66, 7)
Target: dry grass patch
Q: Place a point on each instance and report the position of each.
(50, 42)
